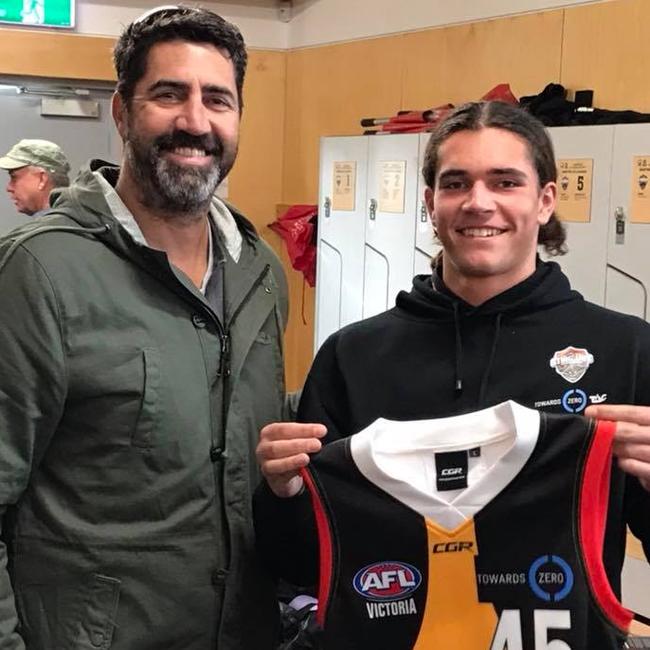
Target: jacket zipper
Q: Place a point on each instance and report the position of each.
(224, 373)
(224, 365)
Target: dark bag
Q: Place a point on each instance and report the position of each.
(299, 630)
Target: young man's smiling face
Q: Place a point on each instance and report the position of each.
(487, 207)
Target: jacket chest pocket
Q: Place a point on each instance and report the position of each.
(115, 399)
(143, 432)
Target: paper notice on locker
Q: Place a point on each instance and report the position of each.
(392, 183)
(344, 185)
(574, 189)
(640, 190)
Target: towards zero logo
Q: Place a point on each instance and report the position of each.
(550, 578)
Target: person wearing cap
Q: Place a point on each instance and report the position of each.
(140, 338)
(35, 168)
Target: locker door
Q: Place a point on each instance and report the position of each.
(426, 246)
(628, 245)
(390, 226)
(341, 232)
(584, 149)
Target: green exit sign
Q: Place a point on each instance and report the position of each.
(38, 13)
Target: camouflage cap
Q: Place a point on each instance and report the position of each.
(40, 153)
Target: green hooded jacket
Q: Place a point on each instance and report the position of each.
(129, 415)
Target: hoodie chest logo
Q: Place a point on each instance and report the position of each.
(571, 363)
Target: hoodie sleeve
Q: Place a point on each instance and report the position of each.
(637, 498)
(32, 392)
(324, 398)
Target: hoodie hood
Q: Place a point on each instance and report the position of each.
(83, 201)
(430, 299)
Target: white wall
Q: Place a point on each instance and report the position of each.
(257, 19)
(316, 22)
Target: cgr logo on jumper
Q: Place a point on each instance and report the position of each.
(550, 578)
(452, 547)
(571, 363)
(386, 581)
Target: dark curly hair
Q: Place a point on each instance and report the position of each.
(175, 24)
(478, 115)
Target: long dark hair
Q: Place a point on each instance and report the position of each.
(479, 115)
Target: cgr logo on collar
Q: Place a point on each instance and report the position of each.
(571, 363)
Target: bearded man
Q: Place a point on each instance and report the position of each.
(140, 337)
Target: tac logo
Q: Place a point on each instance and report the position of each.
(574, 400)
(571, 363)
(550, 578)
(387, 581)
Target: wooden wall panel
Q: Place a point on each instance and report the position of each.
(329, 89)
(255, 183)
(605, 47)
(55, 55)
(461, 63)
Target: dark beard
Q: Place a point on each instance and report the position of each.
(169, 188)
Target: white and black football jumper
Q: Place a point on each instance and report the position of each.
(482, 531)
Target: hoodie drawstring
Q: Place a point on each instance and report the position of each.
(486, 374)
(458, 380)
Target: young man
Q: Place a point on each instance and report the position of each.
(491, 323)
(35, 168)
(140, 342)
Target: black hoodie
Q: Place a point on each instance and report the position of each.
(433, 355)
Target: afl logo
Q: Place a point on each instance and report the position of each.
(387, 581)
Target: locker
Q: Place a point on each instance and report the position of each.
(390, 224)
(585, 263)
(426, 246)
(607, 259)
(341, 233)
(628, 244)
(608, 236)
(366, 233)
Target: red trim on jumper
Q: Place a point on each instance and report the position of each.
(592, 515)
(324, 547)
